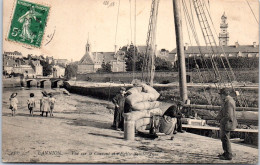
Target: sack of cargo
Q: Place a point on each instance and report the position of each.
(148, 89)
(142, 122)
(167, 125)
(135, 115)
(134, 90)
(140, 97)
(147, 105)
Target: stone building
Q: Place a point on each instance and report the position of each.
(231, 51)
(26, 70)
(9, 64)
(92, 61)
(37, 67)
(58, 71)
(14, 54)
(87, 64)
(63, 62)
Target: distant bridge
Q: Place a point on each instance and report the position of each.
(44, 82)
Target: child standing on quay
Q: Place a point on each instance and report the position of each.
(52, 101)
(13, 103)
(45, 104)
(31, 103)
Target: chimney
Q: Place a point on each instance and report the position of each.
(186, 46)
(254, 44)
(236, 44)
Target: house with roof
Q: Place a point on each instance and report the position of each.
(231, 51)
(63, 62)
(9, 64)
(92, 61)
(26, 70)
(87, 63)
(14, 54)
(223, 50)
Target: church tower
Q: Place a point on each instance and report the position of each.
(87, 58)
(223, 35)
(88, 47)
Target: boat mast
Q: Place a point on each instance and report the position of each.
(149, 59)
(180, 50)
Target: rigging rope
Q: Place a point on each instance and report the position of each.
(196, 38)
(207, 30)
(201, 57)
(204, 27)
(197, 66)
(243, 100)
(130, 20)
(135, 47)
(252, 12)
(117, 20)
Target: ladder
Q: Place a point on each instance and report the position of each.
(207, 34)
(149, 56)
(211, 42)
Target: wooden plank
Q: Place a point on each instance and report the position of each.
(217, 108)
(216, 128)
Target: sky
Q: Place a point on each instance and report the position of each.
(74, 22)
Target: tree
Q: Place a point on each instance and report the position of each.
(46, 68)
(105, 67)
(133, 58)
(71, 71)
(162, 65)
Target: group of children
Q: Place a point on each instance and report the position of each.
(46, 103)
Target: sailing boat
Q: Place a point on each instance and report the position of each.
(244, 113)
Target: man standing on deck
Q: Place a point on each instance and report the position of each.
(228, 122)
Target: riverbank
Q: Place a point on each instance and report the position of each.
(80, 132)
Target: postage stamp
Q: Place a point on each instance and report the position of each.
(28, 23)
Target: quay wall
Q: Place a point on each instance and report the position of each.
(107, 93)
(168, 77)
(126, 77)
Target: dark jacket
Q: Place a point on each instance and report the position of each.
(227, 115)
(119, 99)
(173, 111)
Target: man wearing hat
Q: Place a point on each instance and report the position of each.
(228, 122)
(119, 101)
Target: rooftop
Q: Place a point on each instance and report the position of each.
(227, 49)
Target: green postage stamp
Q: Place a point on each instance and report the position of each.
(28, 23)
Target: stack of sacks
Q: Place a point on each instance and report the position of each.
(143, 98)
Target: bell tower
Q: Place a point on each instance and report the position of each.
(223, 35)
(88, 47)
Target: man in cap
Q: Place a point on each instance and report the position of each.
(228, 122)
(119, 101)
